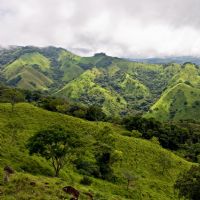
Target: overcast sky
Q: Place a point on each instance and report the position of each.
(126, 28)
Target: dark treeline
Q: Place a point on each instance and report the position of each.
(51, 103)
(182, 137)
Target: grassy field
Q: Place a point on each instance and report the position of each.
(153, 168)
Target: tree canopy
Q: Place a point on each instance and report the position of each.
(188, 184)
(54, 144)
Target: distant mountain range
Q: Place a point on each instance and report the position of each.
(166, 60)
(167, 91)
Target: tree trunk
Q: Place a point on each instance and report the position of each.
(12, 104)
(57, 170)
(128, 184)
(6, 177)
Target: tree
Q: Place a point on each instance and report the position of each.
(54, 144)
(13, 96)
(95, 113)
(188, 184)
(105, 153)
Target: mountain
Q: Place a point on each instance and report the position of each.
(121, 87)
(154, 169)
(181, 98)
(166, 60)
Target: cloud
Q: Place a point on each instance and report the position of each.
(128, 28)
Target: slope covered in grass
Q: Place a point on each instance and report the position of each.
(69, 65)
(88, 91)
(27, 72)
(181, 99)
(121, 87)
(153, 168)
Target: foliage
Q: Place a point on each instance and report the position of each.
(118, 86)
(95, 113)
(54, 144)
(12, 96)
(188, 184)
(86, 180)
(124, 152)
(170, 136)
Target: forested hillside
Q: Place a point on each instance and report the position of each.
(120, 87)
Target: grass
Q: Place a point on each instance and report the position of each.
(141, 158)
(26, 75)
(26, 60)
(69, 65)
(181, 98)
(120, 87)
(85, 85)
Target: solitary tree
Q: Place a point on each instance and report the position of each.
(13, 96)
(105, 153)
(54, 144)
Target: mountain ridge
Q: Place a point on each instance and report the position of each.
(121, 87)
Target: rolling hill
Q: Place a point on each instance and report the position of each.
(121, 87)
(181, 98)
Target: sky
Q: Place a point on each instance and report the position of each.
(124, 28)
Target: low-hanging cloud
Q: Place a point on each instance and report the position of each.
(128, 28)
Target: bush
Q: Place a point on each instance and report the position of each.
(87, 168)
(86, 180)
(133, 133)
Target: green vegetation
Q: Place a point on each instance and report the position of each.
(120, 87)
(54, 144)
(151, 106)
(26, 72)
(180, 99)
(188, 184)
(140, 157)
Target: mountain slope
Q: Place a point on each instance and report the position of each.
(27, 72)
(87, 91)
(121, 87)
(154, 168)
(181, 99)
(166, 60)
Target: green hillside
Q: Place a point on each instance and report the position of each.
(121, 87)
(154, 168)
(69, 65)
(27, 72)
(88, 91)
(181, 98)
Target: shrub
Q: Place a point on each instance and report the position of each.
(86, 180)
